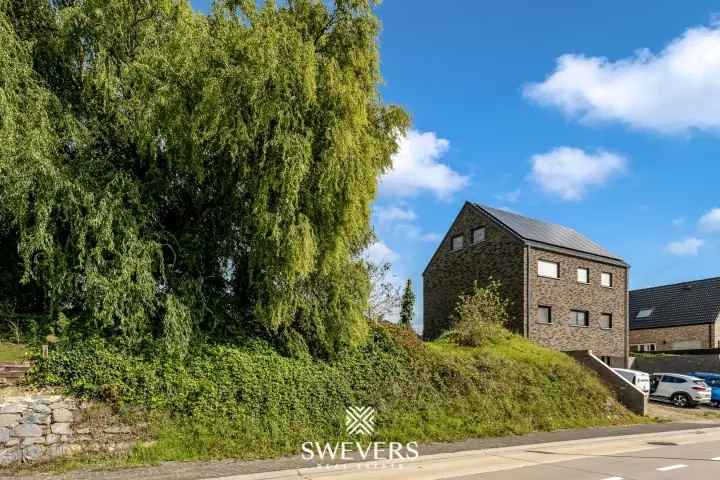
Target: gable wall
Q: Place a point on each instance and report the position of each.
(451, 274)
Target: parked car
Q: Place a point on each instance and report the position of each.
(680, 390)
(640, 379)
(713, 381)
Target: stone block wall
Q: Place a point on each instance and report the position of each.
(41, 427)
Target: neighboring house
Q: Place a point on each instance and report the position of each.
(682, 316)
(567, 292)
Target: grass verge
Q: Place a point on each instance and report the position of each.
(14, 352)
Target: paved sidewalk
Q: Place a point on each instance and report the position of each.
(205, 470)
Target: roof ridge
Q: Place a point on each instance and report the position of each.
(676, 284)
(486, 207)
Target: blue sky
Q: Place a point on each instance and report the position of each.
(603, 116)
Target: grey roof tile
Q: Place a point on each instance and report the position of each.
(548, 233)
(687, 303)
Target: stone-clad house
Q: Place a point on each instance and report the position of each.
(681, 316)
(566, 292)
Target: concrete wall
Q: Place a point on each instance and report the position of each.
(629, 395)
(452, 273)
(664, 338)
(565, 294)
(676, 363)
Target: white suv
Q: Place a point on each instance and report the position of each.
(680, 390)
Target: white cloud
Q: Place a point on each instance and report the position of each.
(416, 168)
(379, 253)
(688, 246)
(568, 172)
(673, 91)
(678, 222)
(394, 212)
(710, 222)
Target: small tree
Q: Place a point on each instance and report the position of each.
(384, 296)
(407, 306)
(480, 316)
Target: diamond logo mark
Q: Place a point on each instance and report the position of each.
(360, 420)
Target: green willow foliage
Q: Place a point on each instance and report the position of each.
(170, 175)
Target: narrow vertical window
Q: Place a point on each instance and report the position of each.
(579, 318)
(544, 314)
(606, 321)
(457, 242)
(606, 279)
(478, 235)
(583, 275)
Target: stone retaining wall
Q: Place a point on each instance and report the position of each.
(40, 427)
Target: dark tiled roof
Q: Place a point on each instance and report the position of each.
(689, 303)
(548, 233)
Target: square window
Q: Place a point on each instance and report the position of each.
(605, 321)
(544, 314)
(579, 318)
(548, 269)
(583, 275)
(606, 279)
(478, 235)
(457, 242)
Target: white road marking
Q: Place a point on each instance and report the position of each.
(716, 459)
(671, 467)
(613, 478)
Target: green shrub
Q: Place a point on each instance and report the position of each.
(480, 316)
(251, 402)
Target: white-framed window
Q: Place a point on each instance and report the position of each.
(643, 347)
(544, 314)
(606, 321)
(583, 275)
(548, 269)
(478, 235)
(579, 318)
(606, 279)
(457, 242)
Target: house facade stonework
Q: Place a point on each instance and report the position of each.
(686, 337)
(509, 253)
(679, 316)
(566, 294)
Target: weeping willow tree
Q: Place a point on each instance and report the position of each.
(167, 175)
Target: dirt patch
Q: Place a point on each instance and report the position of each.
(670, 413)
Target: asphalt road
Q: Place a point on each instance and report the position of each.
(686, 462)
(688, 455)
